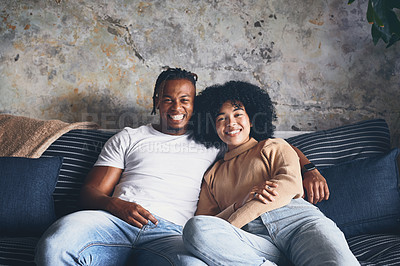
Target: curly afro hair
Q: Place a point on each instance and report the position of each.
(256, 101)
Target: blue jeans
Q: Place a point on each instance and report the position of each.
(100, 238)
(297, 231)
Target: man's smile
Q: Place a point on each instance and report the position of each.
(176, 117)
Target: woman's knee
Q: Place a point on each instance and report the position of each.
(192, 229)
(199, 228)
(202, 224)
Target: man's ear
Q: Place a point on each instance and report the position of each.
(156, 101)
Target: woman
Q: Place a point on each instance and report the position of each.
(257, 186)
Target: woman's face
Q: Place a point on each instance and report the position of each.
(233, 124)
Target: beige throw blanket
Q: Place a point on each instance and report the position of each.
(27, 137)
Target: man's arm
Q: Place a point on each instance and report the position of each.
(96, 194)
(313, 182)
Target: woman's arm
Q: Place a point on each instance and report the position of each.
(314, 183)
(207, 204)
(279, 163)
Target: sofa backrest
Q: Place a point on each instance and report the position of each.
(330, 147)
(80, 149)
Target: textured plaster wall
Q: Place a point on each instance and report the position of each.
(98, 60)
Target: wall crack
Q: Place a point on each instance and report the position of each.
(126, 34)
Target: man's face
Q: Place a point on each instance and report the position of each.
(175, 103)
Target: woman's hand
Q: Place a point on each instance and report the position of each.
(265, 192)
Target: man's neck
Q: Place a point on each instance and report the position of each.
(169, 131)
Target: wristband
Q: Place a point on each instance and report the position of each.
(307, 167)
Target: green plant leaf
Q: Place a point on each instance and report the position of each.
(392, 40)
(376, 34)
(393, 4)
(391, 31)
(378, 21)
(384, 20)
(372, 16)
(370, 13)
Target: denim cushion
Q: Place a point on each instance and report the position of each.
(364, 195)
(26, 188)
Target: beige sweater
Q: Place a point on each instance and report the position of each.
(242, 168)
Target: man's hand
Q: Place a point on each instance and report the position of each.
(96, 195)
(265, 192)
(315, 186)
(313, 182)
(131, 212)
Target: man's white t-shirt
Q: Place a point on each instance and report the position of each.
(161, 172)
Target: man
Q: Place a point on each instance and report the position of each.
(141, 191)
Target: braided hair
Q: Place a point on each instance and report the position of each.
(171, 74)
(256, 101)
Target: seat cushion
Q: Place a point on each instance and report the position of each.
(26, 194)
(364, 195)
(17, 251)
(376, 249)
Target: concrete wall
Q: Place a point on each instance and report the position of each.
(78, 60)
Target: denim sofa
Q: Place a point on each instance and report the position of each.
(356, 159)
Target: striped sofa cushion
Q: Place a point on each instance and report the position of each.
(346, 143)
(376, 249)
(17, 251)
(80, 149)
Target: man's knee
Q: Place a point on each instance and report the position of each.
(60, 239)
(52, 243)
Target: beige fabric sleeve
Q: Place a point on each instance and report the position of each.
(283, 167)
(207, 205)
